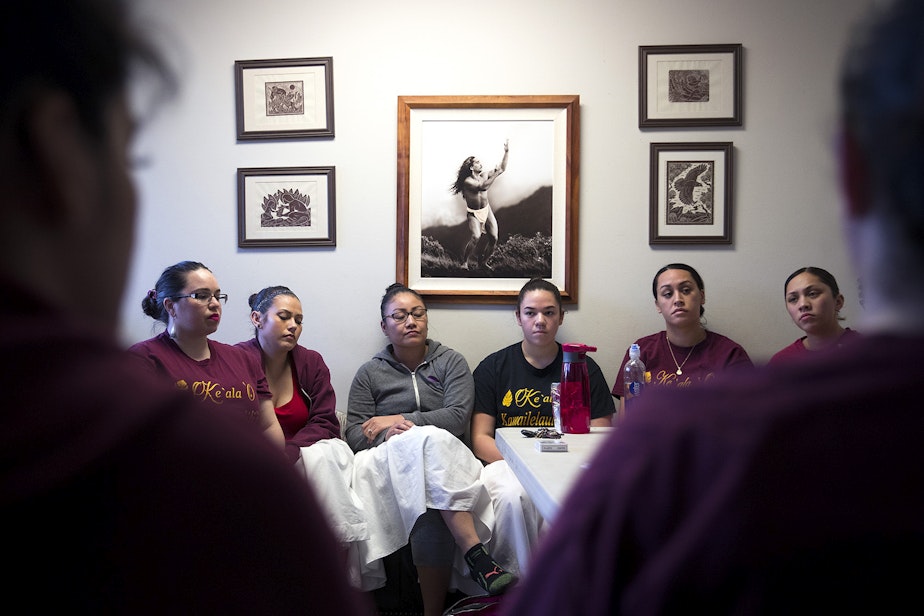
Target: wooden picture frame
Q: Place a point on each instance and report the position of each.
(691, 193)
(534, 201)
(284, 99)
(289, 207)
(689, 85)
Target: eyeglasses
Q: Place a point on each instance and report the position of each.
(541, 433)
(203, 297)
(400, 316)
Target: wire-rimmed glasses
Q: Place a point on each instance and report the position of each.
(204, 297)
(400, 316)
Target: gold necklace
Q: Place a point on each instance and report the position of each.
(679, 366)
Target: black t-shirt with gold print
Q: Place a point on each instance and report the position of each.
(519, 394)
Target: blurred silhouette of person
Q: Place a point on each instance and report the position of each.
(798, 488)
(118, 493)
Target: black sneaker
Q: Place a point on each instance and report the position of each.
(485, 570)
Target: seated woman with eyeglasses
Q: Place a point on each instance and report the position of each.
(188, 300)
(407, 413)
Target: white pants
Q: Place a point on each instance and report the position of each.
(328, 467)
(517, 523)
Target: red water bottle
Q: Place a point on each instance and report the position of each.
(575, 389)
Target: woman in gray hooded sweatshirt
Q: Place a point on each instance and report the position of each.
(408, 409)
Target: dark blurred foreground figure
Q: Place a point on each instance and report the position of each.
(799, 489)
(117, 495)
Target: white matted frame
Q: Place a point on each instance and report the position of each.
(288, 98)
(691, 193)
(435, 135)
(286, 207)
(690, 85)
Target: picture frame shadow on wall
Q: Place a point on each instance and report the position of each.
(691, 193)
(286, 207)
(284, 99)
(690, 85)
(487, 195)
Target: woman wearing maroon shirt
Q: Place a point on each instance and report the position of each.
(298, 378)
(188, 300)
(814, 302)
(685, 354)
(305, 406)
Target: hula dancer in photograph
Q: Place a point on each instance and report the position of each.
(472, 183)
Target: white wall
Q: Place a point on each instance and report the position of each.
(786, 199)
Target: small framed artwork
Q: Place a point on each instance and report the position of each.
(691, 193)
(291, 98)
(689, 85)
(487, 195)
(286, 207)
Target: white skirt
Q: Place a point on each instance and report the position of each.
(372, 500)
(328, 467)
(423, 468)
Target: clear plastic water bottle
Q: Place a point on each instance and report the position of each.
(556, 406)
(634, 379)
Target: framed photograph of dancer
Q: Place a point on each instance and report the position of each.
(691, 192)
(689, 85)
(286, 207)
(284, 99)
(487, 195)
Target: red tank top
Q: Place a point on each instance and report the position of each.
(293, 415)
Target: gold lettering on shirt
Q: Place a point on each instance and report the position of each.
(528, 397)
(671, 379)
(216, 393)
(508, 398)
(530, 418)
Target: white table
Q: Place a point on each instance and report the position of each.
(547, 476)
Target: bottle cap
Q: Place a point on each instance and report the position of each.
(575, 351)
(577, 347)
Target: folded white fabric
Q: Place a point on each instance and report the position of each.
(328, 467)
(517, 523)
(373, 499)
(425, 467)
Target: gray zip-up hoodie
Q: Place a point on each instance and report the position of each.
(439, 392)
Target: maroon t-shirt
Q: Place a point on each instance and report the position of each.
(229, 377)
(699, 364)
(797, 348)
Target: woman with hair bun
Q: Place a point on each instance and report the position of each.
(814, 302)
(305, 405)
(298, 378)
(188, 301)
